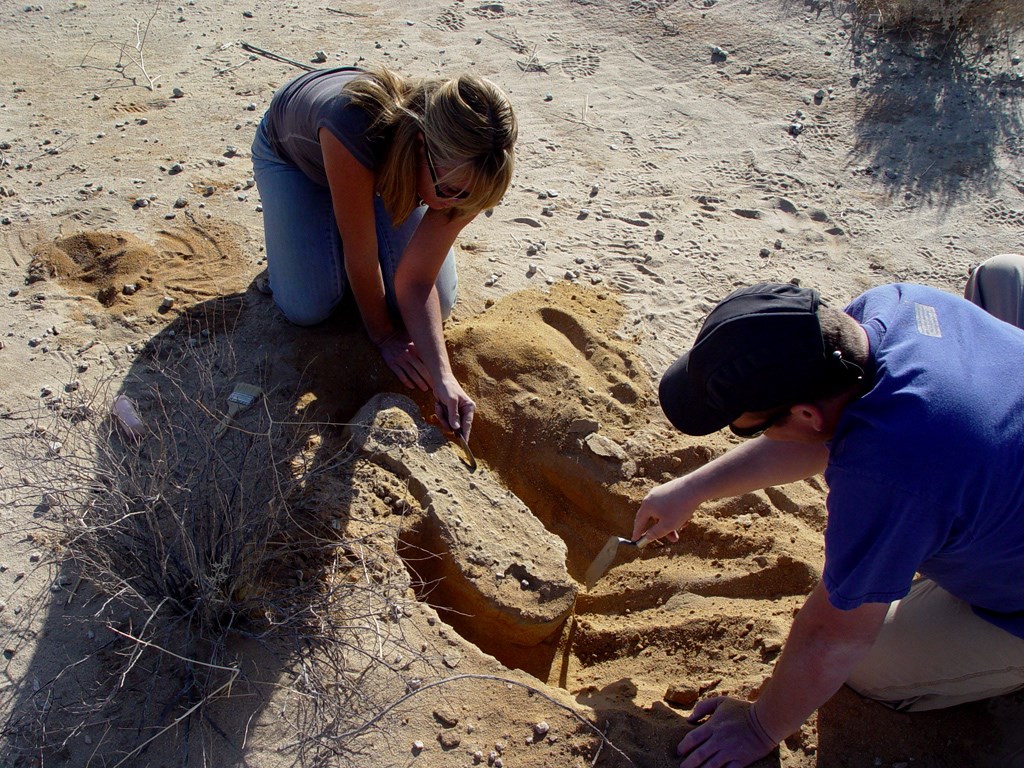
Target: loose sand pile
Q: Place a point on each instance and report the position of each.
(670, 151)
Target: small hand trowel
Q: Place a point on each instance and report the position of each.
(606, 557)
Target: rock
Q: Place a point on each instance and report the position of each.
(319, 57)
(447, 719)
(449, 740)
(389, 430)
(541, 728)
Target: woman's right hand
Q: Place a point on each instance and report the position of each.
(399, 352)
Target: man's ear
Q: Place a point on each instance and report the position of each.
(808, 415)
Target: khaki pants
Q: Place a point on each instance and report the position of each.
(997, 286)
(934, 651)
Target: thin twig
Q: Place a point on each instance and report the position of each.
(276, 57)
(349, 13)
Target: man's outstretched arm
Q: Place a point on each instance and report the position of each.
(825, 645)
(749, 467)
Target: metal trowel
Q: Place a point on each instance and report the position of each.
(606, 557)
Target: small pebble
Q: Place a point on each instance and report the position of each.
(177, 93)
(319, 57)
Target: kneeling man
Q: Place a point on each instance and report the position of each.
(911, 401)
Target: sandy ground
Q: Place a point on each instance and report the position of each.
(669, 151)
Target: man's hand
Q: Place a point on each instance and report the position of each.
(401, 357)
(731, 738)
(664, 510)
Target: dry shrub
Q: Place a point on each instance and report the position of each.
(979, 17)
(204, 567)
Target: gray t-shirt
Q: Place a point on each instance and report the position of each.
(313, 101)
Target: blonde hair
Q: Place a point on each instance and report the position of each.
(467, 121)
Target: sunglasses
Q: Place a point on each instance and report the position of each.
(759, 429)
(444, 193)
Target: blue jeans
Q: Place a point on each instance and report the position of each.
(304, 250)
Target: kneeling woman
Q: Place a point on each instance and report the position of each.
(366, 178)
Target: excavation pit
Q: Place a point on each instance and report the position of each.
(569, 441)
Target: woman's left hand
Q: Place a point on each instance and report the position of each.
(454, 408)
(401, 357)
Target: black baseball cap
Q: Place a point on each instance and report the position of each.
(760, 348)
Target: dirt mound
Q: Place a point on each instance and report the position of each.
(567, 432)
(126, 275)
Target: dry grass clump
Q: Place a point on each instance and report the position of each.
(981, 17)
(215, 589)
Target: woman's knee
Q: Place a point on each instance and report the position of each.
(303, 313)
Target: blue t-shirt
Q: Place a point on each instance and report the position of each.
(312, 101)
(926, 470)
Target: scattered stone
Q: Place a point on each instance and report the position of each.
(175, 169)
(531, 270)
(181, 202)
(718, 53)
(417, 747)
(449, 740)
(820, 95)
(247, 14)
(796, 128)
(230, 151)
(128, 289)
(682, 695)
(541, 728)
(72, 386)
(549, 97)
(177, 93)
(319, 57)
(167, 302)
(447, 719)
(141, 202)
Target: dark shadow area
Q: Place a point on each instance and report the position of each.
(854, 731)
(193, 584)
(941, 110)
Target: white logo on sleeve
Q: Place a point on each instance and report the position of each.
(927, 321)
